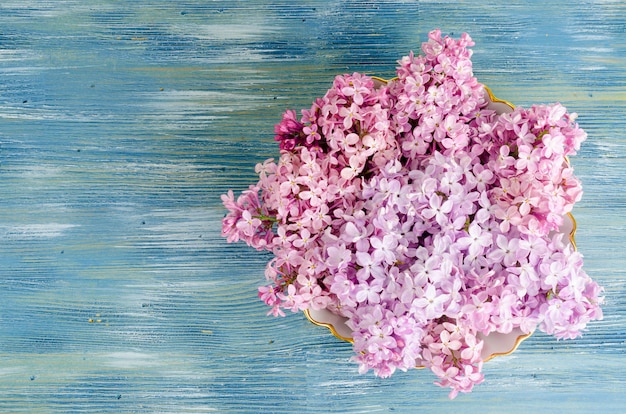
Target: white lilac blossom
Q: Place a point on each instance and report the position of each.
(421, 216)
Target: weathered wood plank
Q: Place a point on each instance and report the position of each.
(121, 123)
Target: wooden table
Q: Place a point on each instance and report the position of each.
(121, 123)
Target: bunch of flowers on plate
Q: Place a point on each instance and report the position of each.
(424, 218)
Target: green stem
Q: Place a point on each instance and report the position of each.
(263, 217)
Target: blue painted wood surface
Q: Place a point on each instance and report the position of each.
(121, 123)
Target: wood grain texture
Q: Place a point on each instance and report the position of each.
(121, 123)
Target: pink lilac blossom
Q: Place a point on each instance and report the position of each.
(423, 217)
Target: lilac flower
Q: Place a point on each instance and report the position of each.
(349, 115)
(438, 209)
(248, 224)
(506, 251)
(370, 267)
(288, 131)
(431, 304)
(476, 240)
(356, 89)
(369, 292)
(384, 249)
(429, 269)
(421, 216)
(338, 256)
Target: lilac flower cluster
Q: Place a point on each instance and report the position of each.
(423, 217)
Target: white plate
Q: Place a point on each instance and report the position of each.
(496, 344)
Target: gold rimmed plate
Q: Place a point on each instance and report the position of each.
(495, 344)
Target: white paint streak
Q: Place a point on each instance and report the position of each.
(35, 231)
